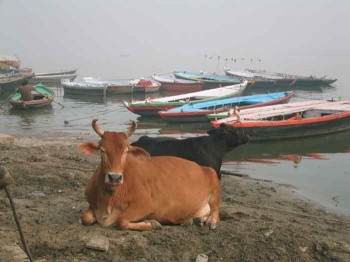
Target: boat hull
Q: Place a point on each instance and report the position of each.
(210, 81)
(181, 87)
(261, 83)
(314, 81)
(68, 72)
(150, 107)
(289, 129)
(142, 89)
(42, 97)
(84, 91)
(9, 84)
(202, 116)
(52, 79)
(151, 110)
(115, 89)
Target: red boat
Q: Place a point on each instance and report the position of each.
(146, 86)
(180, 85)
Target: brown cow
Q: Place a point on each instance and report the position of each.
(134, 191)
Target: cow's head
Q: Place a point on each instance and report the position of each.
(114, 148)
(232, 137)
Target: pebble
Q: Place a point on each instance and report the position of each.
(98, 243)
(202, 258)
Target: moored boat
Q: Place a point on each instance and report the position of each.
(66, 72)
(42, 96)
(298, 80)
(260, 79)
(86, 86)
(151, 107)
(181, 85)
(120, 87)
(254, 81)
(293, 120)
(52, 79)
(210, 80)
(146, 86)
(9, 82)
(197, 112)
(318, 81)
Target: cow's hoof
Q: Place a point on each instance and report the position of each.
(212, 226)
(155, 224)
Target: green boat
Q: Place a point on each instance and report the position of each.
(42, 96)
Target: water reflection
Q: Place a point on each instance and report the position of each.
(314, 89)
(295, 150)
(27, 118)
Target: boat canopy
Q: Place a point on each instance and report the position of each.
(7, 61)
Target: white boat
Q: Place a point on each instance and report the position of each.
(87, 86)
(67, 72)
(151, 107)
(53, 79)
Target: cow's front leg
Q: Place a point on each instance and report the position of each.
(137, 213)
(88, 217)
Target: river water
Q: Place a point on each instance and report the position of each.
(317, 167)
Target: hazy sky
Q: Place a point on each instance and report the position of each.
(125, 39)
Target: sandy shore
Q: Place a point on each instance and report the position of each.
(260, 221)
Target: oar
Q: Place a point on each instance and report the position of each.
(49, 98)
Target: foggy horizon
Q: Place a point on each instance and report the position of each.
(119, 40)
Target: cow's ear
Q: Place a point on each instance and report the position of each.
(138, 152)
(89, 147)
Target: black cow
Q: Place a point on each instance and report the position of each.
(205, 150)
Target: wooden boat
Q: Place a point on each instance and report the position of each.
(299, 80)
(197, 112)
(52, 78)
(151, 107)
(260, 79)
(209, 80)
(120, 87)
(42, 97)
(86, 86)
(182, 85)
(8, 83)
(146, 86)
(66, 72)
(254, 81)
(318, 81)
(293, 120)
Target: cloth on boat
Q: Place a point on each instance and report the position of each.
(26, 92)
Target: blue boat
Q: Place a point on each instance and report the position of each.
(197, 112)
(209, 80)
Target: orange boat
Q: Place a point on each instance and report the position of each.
(293, 120)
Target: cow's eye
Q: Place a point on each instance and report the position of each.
(102, 150)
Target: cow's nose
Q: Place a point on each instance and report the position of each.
(115, 178)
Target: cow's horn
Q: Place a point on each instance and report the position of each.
(131, 129)
(97, 128)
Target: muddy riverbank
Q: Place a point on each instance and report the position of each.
(260, 221)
